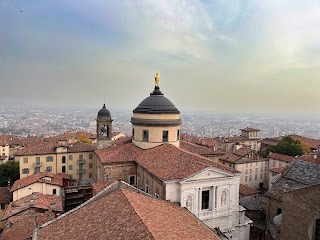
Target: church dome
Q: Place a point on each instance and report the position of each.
(104, 112)
(156, 103)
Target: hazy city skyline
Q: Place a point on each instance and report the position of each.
(219, 56)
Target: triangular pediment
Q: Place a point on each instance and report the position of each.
(206, 174)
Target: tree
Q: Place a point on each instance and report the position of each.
(84, 139)
(288, 146)
(9, 171)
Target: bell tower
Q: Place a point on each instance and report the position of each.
(104, 128)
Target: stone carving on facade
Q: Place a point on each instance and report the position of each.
(224, 198)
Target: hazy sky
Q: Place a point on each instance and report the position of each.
(221, 56)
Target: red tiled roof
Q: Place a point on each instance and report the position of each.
(75, 135)
(311, 158)
(243, 151)
(124, 214)
(100, 185)
(50, 148)
(312, 143)
(56, 179)
(5, 195)
(20, 227)
(35, 200)
(5, 138)
(229, 157)
(197, 149)
(270, 141)
(245, 190)
(280, 157)
(277, 170)
(166, 161)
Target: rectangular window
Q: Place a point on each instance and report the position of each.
(36, 170)
(165, 135)
(37, 160)
(80, 157)
(256, 170)
(280, 164)
(265, 163)
(70, 157)
(90, 165)
(90, 175)
(261, 176)
(246, 179)
(132, 180)
(49, 159)
(274, 164)
(90, 156)
(178, 135)
(246, 171)
(132, 132)
(3, 206)
(205, 199)
(147, 188)
(250, 171)
(256, 177)
(146, 135)
(25, 170)
(265, 168)
(250, 178)
(70, 167)
(49, 169)
(80, 175)
(25, 160)
(261, 170)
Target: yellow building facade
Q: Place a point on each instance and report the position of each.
(78, 160)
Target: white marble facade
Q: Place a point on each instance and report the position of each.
(212, 196)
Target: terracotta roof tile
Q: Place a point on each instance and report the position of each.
(281, 157)
(312, 143)
(277, 170)
(50, 148)
(99, 186)
(166, 161)
(56, 179)
(198, 149)
(20, 227)
(125, 214)
(245, 190)
(35, 200)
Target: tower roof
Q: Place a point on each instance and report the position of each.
(104, 112)
(156, 103)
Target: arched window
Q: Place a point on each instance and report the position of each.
(54, 191)
(63, 159)
(63, 169)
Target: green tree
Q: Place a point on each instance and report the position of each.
(9, 171)
(288, 146)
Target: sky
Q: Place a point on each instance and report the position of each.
(219, 56)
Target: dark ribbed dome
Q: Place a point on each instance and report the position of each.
(156, 103)
(104, 112)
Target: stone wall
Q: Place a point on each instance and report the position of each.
(119, 171)
(300, 210)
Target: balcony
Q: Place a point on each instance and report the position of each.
(81, 161)
(37, 164)
(82, 170)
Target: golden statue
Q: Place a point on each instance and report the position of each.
(157, 78)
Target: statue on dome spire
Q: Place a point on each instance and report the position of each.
(157, 78)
